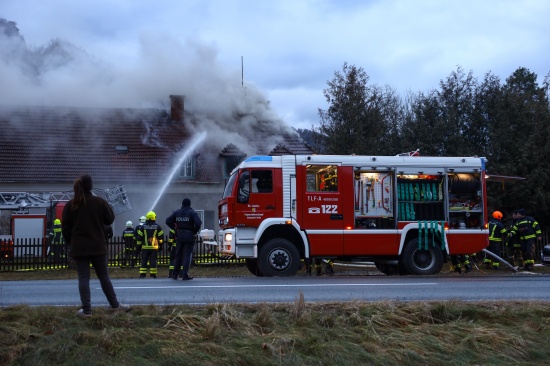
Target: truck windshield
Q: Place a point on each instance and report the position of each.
(230, 184)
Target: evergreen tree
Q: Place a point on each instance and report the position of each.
(507, 123)
(361, 118)
(525, 122)
(443, 122)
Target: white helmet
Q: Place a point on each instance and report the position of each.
(142, 219)
(129, 224)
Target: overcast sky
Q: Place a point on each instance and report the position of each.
(290, 48)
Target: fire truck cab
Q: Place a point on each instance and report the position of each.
(404, 213)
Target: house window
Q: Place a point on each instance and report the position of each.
(187, 168)
(231, 163)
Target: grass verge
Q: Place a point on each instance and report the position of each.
(299, 333)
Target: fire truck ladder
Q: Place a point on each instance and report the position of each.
(14, 200)
(116, 196)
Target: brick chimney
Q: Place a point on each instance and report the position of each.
(176, 108)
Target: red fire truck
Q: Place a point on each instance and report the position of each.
(32, 215)
(404, 213)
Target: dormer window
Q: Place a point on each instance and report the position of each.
(231, 156)
(187, 168)
(230, 162)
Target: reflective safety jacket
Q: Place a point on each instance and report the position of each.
(527, 228)
(129, 237)
(514, 240)
(57, 237)
(139, 235)
(497, 231)
(150, 236)
(172, 238)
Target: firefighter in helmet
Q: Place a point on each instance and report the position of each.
(497, 232)
(137, 230)
(129, 238)
(151, 236)
(172, 245)
(513, 244)
(56, 247)
(529, 230)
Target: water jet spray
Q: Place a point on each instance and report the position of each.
(197, 139)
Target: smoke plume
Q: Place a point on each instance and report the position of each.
(61, 74)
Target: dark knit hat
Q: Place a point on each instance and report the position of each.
(186, 202)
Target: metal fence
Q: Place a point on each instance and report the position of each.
(35, 254)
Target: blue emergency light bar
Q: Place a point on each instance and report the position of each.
(260, 158)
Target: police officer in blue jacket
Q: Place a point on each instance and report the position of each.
(187, 223)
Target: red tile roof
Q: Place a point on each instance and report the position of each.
(45, 144)
(231, 150)
(58, 144)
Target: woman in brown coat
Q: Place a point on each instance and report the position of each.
(83, 223)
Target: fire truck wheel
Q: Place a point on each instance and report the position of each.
(422, 261)
(252, 266)
(278, 257)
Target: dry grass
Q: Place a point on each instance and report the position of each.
(300, 333)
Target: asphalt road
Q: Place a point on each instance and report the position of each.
(280, 290)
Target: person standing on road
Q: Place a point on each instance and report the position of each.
(528, 229)
(497, 232)
(186, 223)
(83, 226)
(151, 237)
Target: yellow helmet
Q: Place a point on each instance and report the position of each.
(151, 216)
(57, 222)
